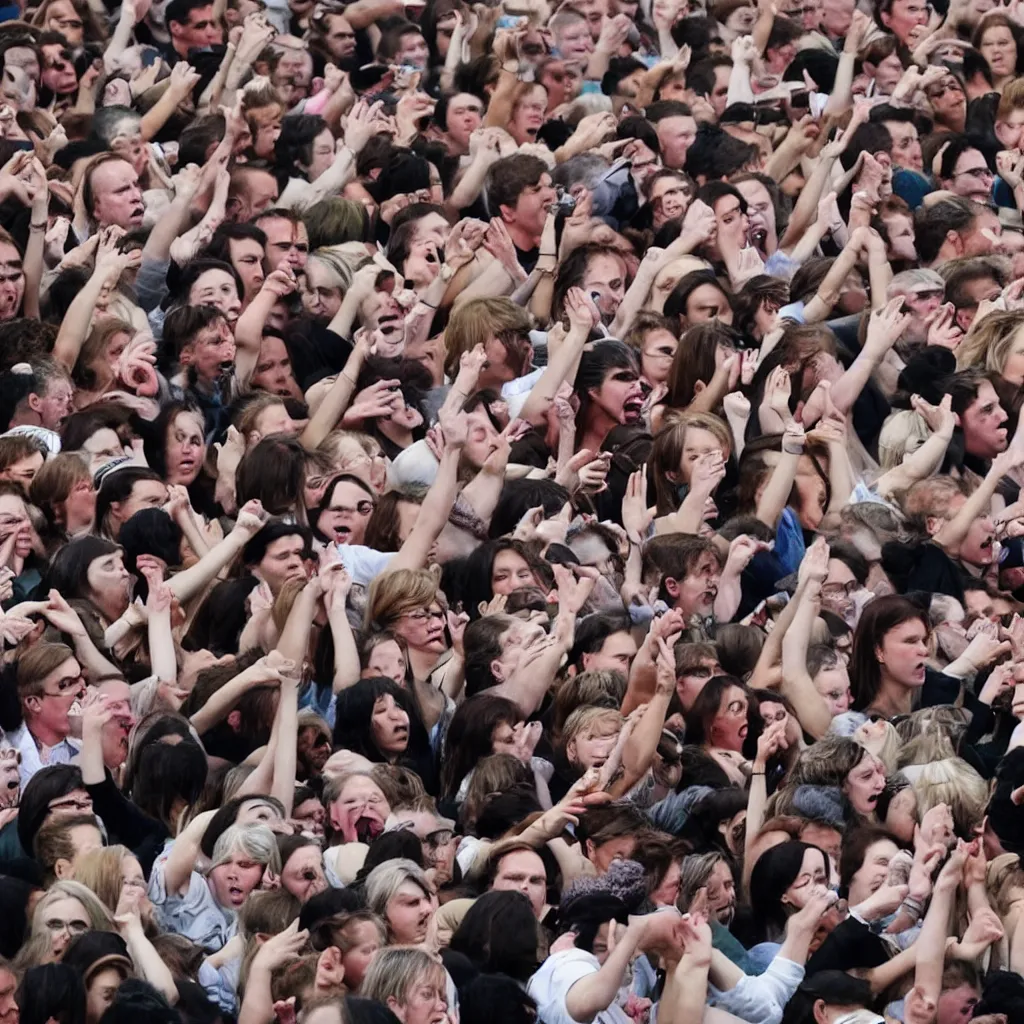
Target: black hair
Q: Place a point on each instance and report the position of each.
(166, 773)
(584, 915)
(49, 783)
(519, 496)
(69, 569)
(775, 871)
(150, 531)
(498, 999)
(500, 933)
(293, 150)
(675, 304)
(871, 137)
(256, 549)
(469, 738)
(591, 633)
(51, 992)
(227, 815)
(716, 154)
(118, 486)
(359, 1010)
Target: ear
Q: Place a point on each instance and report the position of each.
(820, 1011)
(185, 357)
(35, 403)
(699, 387)
(508, 213)
(585, 661)
(589, 849)
(570, 751)
(62, 869)
(498, 670)
(115, 507)
(671, 586)
(933, 524)
(33, 704)
(886, 19)
(330, 971)
(253, 438)
(393, 1005)
(954, 240)
(879, 655)
(235, 720)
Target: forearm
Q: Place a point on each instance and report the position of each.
(808, 242)
(841, 477)
(931, 944)
(634, 301)
(757, 801)
(285, 756)
(561, 367)
(159, 114)
(346, 656)
(149, 964)
(953, 532)
(740, 90)
(191, 581)
(118, 42)
(841, 98)
(345, 318)
(258, 1003)
(214, 92)
(95, 663)
(495, 280)
(163, 663)
(528, 689)
(775, 495)
(33, 264)
(783, 161)
(811, 710)
(335, 178)
(168, 227)
(90, 757)
(686, 993)
(828, 291)
(730, 593)
(434, 512)
(483, 492)
(294, 640)
(195, 537)
(594, 994)
(469, 186)
(330, 411)
(249, 335)
(597, 67)
(881, 977)
(711, 397)
(879, 276)
(74, 328)
(639, 750)
(499, 110)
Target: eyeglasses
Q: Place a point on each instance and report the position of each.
(66, 686)
(133, 883)
(55, 926)
(977, 172)
(840, 589)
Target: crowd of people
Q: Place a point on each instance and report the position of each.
(511, 513)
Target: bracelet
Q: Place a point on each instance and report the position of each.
(553, 255)
(39, 227)
(752, 774)
(792, 449)
(348, 378)
(423, 302)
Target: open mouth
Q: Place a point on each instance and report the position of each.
(236, 895)
(758, 237)
(226, 366)
(342, 534)
(367, 829)
(388, 325)
(632, 408)
(138, 212)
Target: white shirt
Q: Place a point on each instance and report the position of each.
(550, 986)
(32, 758)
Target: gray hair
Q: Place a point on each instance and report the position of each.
(907, 280)
(694, 872)
(255, 841)
(386, 879)
(395, 969)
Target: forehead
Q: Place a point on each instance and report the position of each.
(111, 173)
(285, 544)
(521, 860)
(244, 247)
(464, 101)
(186, 420)
(277, 228)
(346, 490)
(213, 279)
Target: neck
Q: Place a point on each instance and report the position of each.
(402, 436)
(597, 427)
(45, 735)
(421, 662)
(523, 239)
(892, 699)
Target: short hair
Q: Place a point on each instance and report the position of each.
(395, 969)
(663, 109)
(932, 222)
(386, 879)
(183, 324)
(53, 841)
(954, 147)
(510, 177)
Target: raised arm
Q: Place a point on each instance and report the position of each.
(955, 530)
(181, 861)
(928, 458)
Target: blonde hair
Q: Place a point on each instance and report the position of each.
(475, 322)
(590, 721)
(954, 782)
(890, 752)
(53, 484)
(341, 261)
(37, 945)
(102, 872)
(988, 342)
(898, 433)
(394, 594)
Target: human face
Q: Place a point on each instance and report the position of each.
(303, 875)
(408, 914)
(323, 154)
(282, 562)
(388, 660)
(604, 280)
(874, 869)
(274, 369)
(760, 214)
(523, 871)
(982, 236)
(984, 433)
(14, 521)
(574, 42)
(740, 22)
(667, 892)
(616, 654)
(528, 115)
(813, 877)
(23, 471)
(669, 200)
(286, 243)
(424, 1002)
(697, 444)
(63, 18)
(360, 811)
(721, 893)
(465, 115)
(903, 652)
(109, 582)
(54, 405)
(211, 354)
(116, 195)
(9, 1012)
(321, 296)
(729, 726)
(592, 747)
(676, 135)
(906, 145)
(561, 81)
(12, 281)
(292, 78)
(257, 195)
(186, 449)
(65, 919)
(389, 725)
(344, 518)
(1009, 130)
(656, 356)
(413, 50)
(532, 206)
(275, 420)
(971, 177)
(339, 37)
(887, 74)
(949, 104)
(197, 31)
(606, 854)
(102, 446)
(834, 685)
(903, 17)
(900, 229)
(957, 1005)
(265, 128)
(100, 994)
(219, 289)
(620, 397)
(423, 629)
(707, 302)
(247, 259)
(901, 816)
(1000, 50)
(696, 592)
(1013, 367)
(58, 74)
(864, 784)
(144, 494)
(233, 881)
(837, 17)
(363, 941)
(510, 572)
